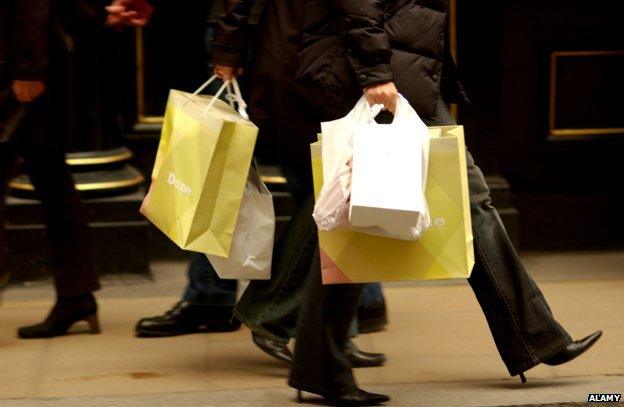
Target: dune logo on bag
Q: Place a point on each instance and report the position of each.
(179, 185)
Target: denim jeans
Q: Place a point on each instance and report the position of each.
(522, 324)
(371, 294)
(520, 320)
(205, 287)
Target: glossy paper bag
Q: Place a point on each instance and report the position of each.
(445, 250)
(200, 173)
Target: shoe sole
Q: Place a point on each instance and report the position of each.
(351, 404)
(211, 329)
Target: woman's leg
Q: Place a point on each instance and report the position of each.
(518, 315)
(65, 218)
(320, 365)
(521, 322)
(7, 159)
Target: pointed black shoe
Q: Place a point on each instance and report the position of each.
(357, 397)
(573, 350)
(66, 312)
(275, 349)
(359, 358)
(280, 351)
(187, 318)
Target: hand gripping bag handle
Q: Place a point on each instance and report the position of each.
(233, 95)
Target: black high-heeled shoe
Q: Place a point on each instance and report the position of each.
(572, 351)
(357, 397)
(273, 348)
(64, 314)
(280, 351)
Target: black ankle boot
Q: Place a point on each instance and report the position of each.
(64, 314)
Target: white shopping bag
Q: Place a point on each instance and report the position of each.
(252, 245)
(331, 210)
(389, 176)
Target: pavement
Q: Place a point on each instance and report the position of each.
(440, 352)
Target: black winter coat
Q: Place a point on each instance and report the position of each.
(340, 44)
(24, 38)
(37, 42)
(31, 29)
(313, 58)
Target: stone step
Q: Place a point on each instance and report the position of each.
(119, 248)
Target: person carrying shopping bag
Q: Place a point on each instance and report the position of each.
(271, 330)
(208, 301)
(315, 59)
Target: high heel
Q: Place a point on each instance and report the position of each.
(66, 312)
(94, 323)
(299, 396)
(522, 378)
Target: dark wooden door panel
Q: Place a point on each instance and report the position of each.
(546, 80)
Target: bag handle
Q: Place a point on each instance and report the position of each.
(363, 112)
(374, 110)
(405, 112)
(233, 94)
(242, 106)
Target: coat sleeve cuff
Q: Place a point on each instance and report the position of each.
(374, 75)
(227, 56)
(228, 50)
(26, 73)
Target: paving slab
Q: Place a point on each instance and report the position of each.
(440, 352)
(570, 392)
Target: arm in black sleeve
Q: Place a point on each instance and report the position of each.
(368, 43)
(30, 39)
(231, 33)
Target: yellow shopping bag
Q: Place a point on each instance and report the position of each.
(200, 172)
(444, 251)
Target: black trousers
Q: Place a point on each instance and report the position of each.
(320, 365)
(64, 213)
